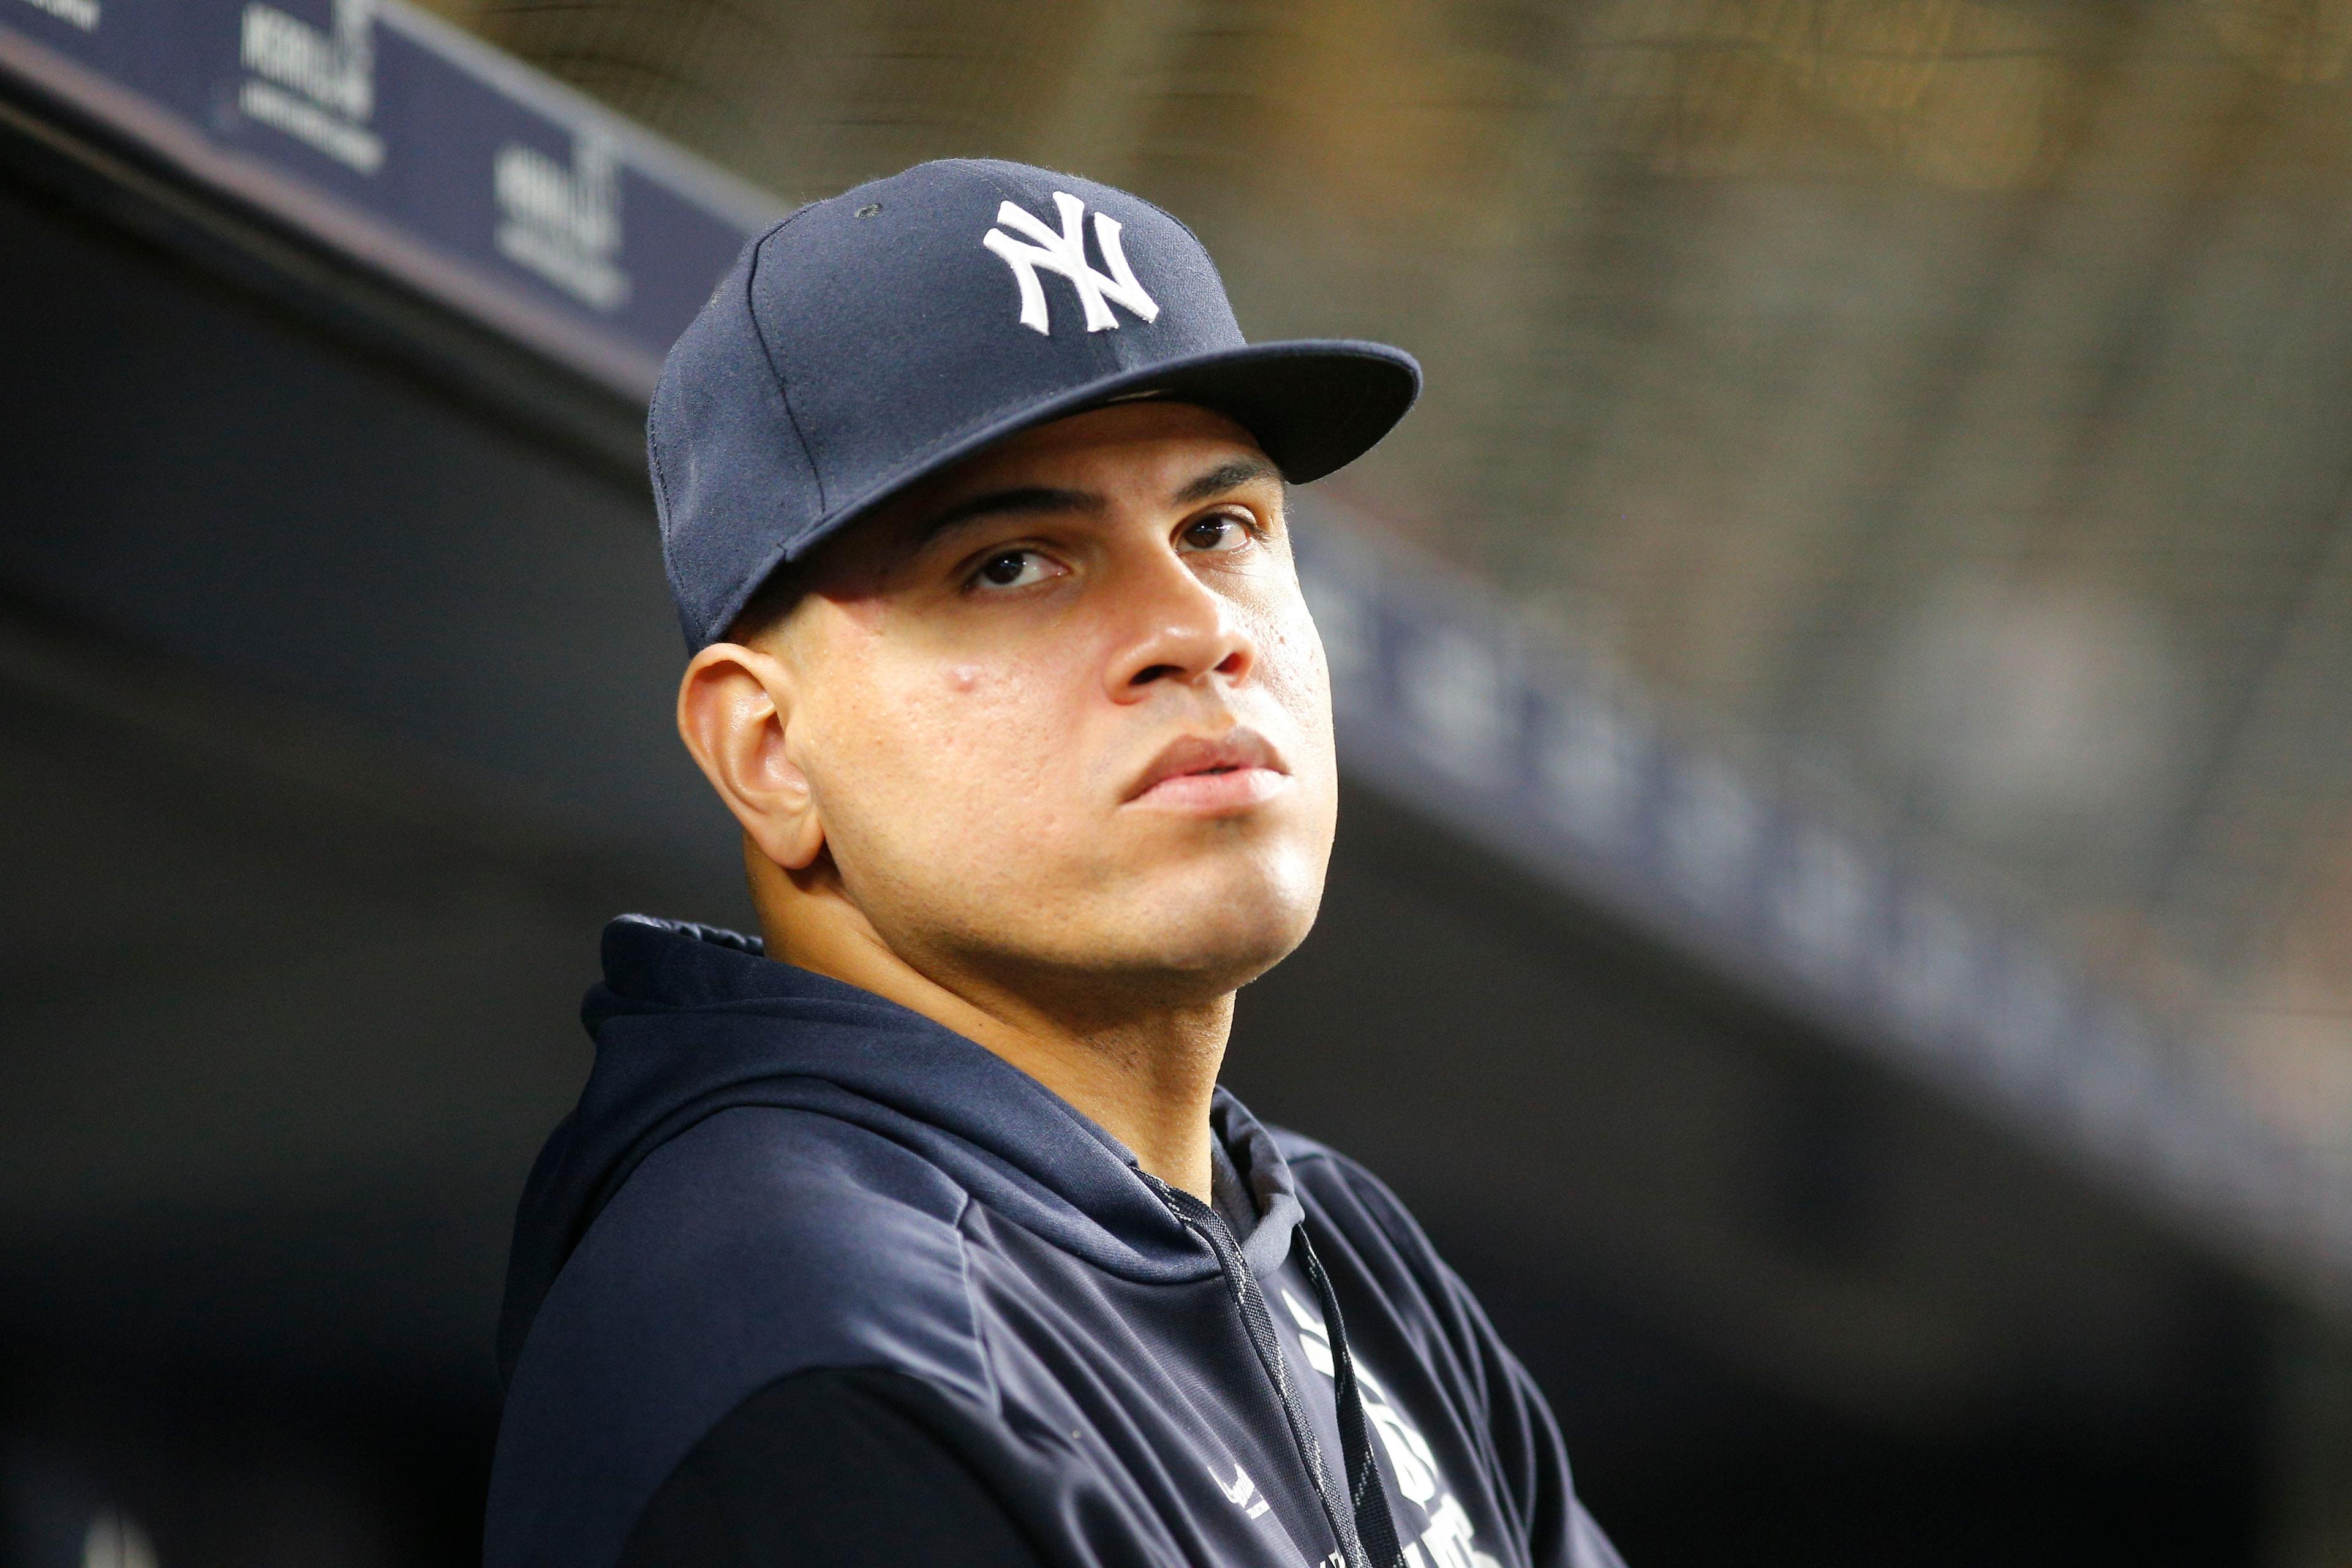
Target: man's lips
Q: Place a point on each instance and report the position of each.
(1197, 772)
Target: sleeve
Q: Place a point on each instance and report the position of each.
(1560, 1534)
(831, 1468)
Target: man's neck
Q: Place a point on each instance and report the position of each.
(1145, 1075)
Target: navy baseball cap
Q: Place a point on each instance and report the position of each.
(871, 340)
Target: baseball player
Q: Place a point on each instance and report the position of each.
(916, 1230)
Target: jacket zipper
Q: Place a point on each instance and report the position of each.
(1365, 1529)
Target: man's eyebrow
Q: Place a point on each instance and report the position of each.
(1041, 500)
(1226, 476)
(1020, 501)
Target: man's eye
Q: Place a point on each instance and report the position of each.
(1221, 531)
(1011, 569)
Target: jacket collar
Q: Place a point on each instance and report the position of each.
(691, 1020)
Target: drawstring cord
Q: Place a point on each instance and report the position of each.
(1375, 1526)
(1364, 1527)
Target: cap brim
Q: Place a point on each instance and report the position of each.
(1315, 406)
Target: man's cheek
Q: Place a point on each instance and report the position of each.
(1292, 661)
(974, 755)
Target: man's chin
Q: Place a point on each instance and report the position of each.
(1216, 941)
(1179, 946)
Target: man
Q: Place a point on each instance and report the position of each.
(918, 1232)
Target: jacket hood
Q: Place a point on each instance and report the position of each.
(690, 1020)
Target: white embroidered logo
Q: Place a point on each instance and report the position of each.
(1447, 1538)
(1242, 1492)
(1066, 253)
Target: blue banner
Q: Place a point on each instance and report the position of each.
(394, 137)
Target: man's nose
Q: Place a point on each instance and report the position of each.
(1182, 630)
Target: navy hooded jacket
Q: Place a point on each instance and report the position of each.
(807, 1277)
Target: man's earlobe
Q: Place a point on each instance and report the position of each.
(734, 711)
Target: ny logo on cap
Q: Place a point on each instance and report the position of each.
(1066, 253)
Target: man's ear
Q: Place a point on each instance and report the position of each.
(734, 705)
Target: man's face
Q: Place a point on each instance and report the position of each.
(1062, 713)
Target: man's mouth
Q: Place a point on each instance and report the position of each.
(1200, 774)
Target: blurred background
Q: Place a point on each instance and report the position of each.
(1843, 924)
